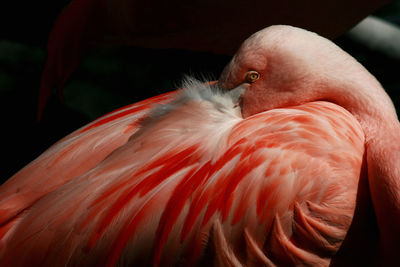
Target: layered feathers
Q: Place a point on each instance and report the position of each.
(181, 179)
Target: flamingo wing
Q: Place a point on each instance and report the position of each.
(72, 156)
(198, 183)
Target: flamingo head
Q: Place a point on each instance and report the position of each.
(282, 66)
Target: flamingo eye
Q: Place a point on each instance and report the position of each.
(252, 76)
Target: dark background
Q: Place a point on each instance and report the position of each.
(108, 78)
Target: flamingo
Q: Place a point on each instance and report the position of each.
(262, 167)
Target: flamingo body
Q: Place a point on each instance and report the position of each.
(183, 178)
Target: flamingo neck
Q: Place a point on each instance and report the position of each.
(377, 116)
(363, 96)
(383, 161)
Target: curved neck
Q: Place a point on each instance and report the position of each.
(383, 161)
(375, 111)
(363, 96)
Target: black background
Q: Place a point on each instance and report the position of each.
(108, 78)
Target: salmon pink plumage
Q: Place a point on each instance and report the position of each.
(260, 168)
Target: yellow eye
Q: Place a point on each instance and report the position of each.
(252, 76)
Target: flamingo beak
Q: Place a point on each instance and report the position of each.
(236, 95)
